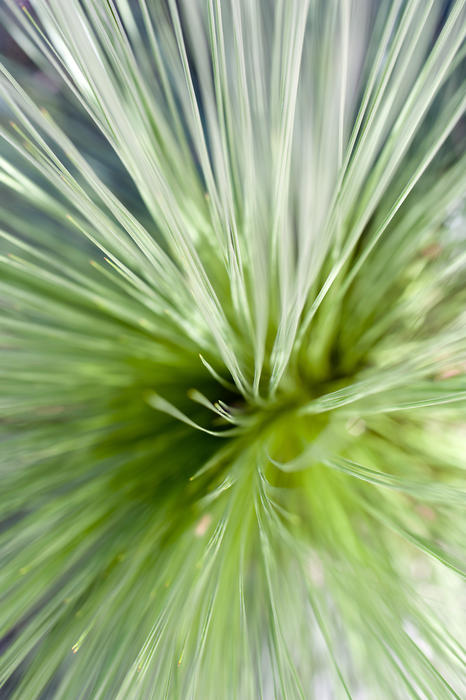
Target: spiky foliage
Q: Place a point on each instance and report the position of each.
(233, 349)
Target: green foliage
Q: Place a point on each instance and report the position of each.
(233, 349)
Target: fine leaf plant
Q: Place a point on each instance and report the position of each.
(232, 349)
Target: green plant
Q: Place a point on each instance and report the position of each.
(232, 349)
